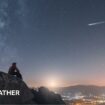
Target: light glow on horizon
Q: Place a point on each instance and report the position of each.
(52, 83)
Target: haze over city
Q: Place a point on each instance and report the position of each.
(56, 43)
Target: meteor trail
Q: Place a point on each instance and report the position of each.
(96, 23)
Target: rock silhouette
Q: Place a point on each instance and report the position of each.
(9, 82)
(27, 95)
(44, 96)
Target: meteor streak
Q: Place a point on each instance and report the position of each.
(96, 23)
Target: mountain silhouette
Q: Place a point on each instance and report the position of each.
(86, 90)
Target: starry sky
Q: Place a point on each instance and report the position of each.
(51, 40)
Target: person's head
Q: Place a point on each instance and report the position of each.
(14, 64)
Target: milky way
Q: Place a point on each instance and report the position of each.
(8, 53)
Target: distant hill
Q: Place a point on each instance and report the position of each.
(82, 89)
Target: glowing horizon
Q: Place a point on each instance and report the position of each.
(55, 85)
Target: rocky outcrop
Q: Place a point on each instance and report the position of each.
(44, 96)
(9, 82)
(26, 96)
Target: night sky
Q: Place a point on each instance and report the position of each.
(52, 41)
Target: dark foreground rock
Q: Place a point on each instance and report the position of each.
(8, 82)
(44, 96)
(27, 96)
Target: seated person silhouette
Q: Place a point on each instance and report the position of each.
(13, 70)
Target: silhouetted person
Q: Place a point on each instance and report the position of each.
(13, 70)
